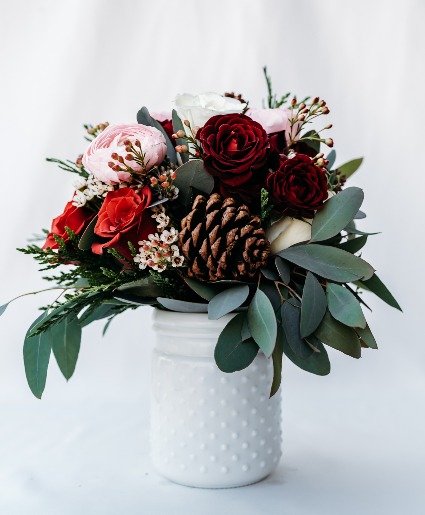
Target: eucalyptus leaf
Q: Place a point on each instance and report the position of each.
(331, 158)
(4, 307)
(291, 327)
(226, 301)
(344, 307)
(245, 332)
(231, 353)
(88, 236)
(277, 366)
(339, 336)
(183, 306)
(269, 288)
(66, 340)
(349, 168)
(367, 337)
(312, 143)
(318, 363)
(313, 305)
(353, 245)
(192, 175)
(336, 213)
(283, 268)
(270, 274)
(106, 327)
(352, 229)
(141, 288)
(360, 215)
(262, 322)
(37, 350)
(144, 118)
(205, 290)
(135, 300)
(376, 286)
(102, 311)
(178, 126)
(328, 262)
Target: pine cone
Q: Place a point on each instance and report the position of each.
(221, 240)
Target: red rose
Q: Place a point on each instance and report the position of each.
(75, 218)
(122, 219)
(298, 186)
(235, 149)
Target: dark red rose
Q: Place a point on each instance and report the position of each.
(298, 186)
(235, 149)
(122, 219)
(75, 218)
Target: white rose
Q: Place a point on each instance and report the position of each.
(198, 109)
(288, 231)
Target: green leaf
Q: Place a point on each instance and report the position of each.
(262, 322)
(204, 290)
(291, 327)
(360, 215)
(344, 307)
(183, 306)
(88, 236)
(312, 143)
(135, 300)
(313, 305)
(353, 245)
(349, 168)
(331, 158)
(141, 288)
(144, 118)
(37, 351)
(66, 340)
(367, 337)
(318, 363)
(283, 268)
(226, 301)
(245, 332)
(269, 288)
(336, 213)
(3, 308)
(376, 286)
(277, 366)
(339, 336)
(231, 353)
(178, 126)
(192, 175)
(328, 262)
(351, 229)
(271, 275)
(102, 311)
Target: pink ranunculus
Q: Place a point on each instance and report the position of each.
(111, 140)
(273, 120)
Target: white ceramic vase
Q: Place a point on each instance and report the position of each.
(209, 429)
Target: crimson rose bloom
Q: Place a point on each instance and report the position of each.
(122, 219)
(235, 149)
(75, 218)
(298, 187)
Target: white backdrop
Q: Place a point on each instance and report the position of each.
(353, 441)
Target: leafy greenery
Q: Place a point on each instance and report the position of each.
(232, 353)
(337, 212)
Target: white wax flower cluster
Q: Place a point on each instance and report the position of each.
(88, 189)
(160, 251)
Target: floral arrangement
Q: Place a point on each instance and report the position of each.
(216, 208)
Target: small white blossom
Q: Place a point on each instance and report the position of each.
(79, 199)
(80, 183)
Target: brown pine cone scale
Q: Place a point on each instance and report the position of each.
(220, 239)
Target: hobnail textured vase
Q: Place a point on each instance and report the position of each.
(209, 429)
